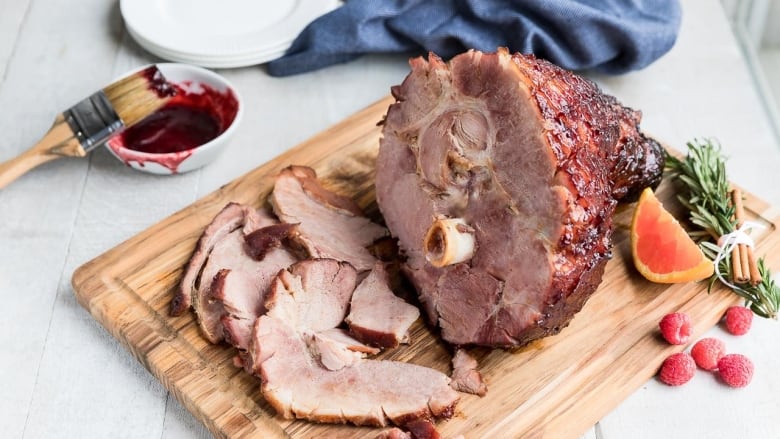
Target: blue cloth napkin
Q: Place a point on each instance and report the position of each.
(611, 36)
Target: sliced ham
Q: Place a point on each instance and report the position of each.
(287, 316)
(243, 296)
(263, 240)
(394, 433)
(363, 392)
(425, 429)
(422, 429)
(370, 392)
(465, 375)
(378, 317)
(240, 305)
(312, 295)
(232, 217)
(333, 354)
(330, 226)
(229, 254)
(342, 337)
(240, 290)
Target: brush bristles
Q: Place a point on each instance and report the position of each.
(138, 95)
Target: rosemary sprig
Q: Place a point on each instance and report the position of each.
(702, 173)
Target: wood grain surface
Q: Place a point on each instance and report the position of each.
(556, 387)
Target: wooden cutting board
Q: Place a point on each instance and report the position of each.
(557, 387)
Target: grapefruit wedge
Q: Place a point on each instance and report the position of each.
(662, 250)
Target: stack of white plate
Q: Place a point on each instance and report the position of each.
(219, 34)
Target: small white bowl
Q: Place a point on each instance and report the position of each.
(188, 77)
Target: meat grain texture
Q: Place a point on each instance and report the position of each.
(377, 316)
(330, 225)
(499, 174)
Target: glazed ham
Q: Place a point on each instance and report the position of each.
(499, 175)
(307, 300)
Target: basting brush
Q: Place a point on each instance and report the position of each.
(88, 124)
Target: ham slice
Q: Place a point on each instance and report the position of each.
(230, 218)
(369, 392)
(465, 376)
(378, 317)
(423, 429)
(394, 433)
(301, 305)
(331, 226)
(228, 303)
(241, 305)
(312, 295)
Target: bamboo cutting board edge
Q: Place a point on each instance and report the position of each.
(127, 289)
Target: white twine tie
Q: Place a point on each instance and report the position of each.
(727, 242)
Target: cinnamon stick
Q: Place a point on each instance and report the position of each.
(736, 265)
(747, 258)
(744, 260)
(755, 275)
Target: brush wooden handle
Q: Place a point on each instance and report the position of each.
(59, 141)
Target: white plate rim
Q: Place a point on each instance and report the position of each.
(219, 64)
(152, 29)
(198, 59)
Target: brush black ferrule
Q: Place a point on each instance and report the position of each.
(93, 120)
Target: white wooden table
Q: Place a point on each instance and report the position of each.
(63, 376)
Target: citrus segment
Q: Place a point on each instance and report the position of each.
(662, 250)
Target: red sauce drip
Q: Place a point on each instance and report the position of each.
(170, 161)
(194, 116)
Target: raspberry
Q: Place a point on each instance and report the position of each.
(707, 351)
(676, 328)
(735, 370)
(738, 320)
(677, 369)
